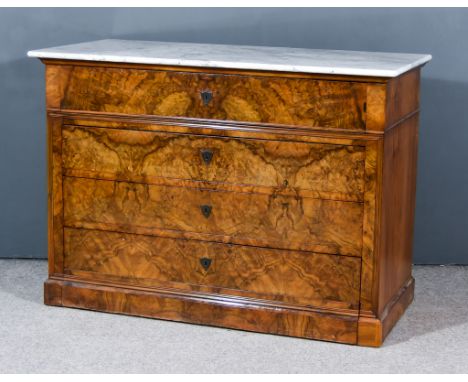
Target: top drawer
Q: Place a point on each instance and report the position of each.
(256, 99)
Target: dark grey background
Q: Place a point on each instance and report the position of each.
(442, 187)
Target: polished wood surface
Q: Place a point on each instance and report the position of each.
(273, 202)
(328, 170)
(370, 229)
(398, 199)
(303, 278)
(274, 220)
(55, 195)
(388, 292)
(402, 98)
(289, 101)
(225, 311)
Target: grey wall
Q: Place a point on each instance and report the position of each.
(442, 188)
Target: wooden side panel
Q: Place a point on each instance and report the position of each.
(274, 220)
(402, 97)
(55, 203)
(279, 100)
(392, 286)
(328, 170)
(231, 313)
(398, 205)
(296, 277)
(390, 103)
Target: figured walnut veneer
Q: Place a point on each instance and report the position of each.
(238, 217)
(330, 171)
(270, 274)
(272, 202)
(289, 101)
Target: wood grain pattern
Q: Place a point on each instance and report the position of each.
(327, 170)
(244, 218)
(55, 196)
(390, 103)
(370, 232)
(296, 277)
(398, 205)
(230, 313)
(402, 97)
(287, 101)
(376, 107)
(56, 82)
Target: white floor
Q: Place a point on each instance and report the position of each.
(431, 338)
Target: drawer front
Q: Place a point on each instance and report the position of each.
(289, 276)
(274, 220)
(325, 170)
(259, 99)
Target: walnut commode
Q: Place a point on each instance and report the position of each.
(276, 201)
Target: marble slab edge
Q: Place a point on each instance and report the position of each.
(240, 57)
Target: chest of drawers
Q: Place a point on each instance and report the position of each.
(246, 194)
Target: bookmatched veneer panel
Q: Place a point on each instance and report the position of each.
(330, 171)
(303, 278)
(274, 220)
(286, 101)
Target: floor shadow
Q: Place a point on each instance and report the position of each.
(439, 303)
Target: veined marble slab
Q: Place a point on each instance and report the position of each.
(343, 62)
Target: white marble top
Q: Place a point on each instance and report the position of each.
(239, 57)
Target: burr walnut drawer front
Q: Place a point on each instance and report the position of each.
(270, 220)
(289, 276)
(329, 171)
(255, 99)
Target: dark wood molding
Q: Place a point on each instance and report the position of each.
(216, 311)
